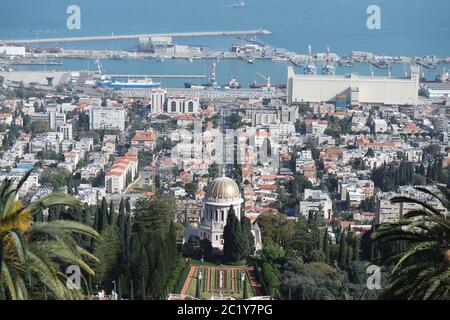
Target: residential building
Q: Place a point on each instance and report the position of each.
(111, 118)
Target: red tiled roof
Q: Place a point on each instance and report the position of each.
(186, 117)
(144, 136)
(114, 173)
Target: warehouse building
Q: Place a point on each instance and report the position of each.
(12, 51)
(437, 90)
(356, 89)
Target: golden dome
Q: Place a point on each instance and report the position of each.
(223, 189)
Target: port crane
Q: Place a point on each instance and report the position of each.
(100, 67)
(153, 168)
(268, 79)
(310, 67)
(328, 67)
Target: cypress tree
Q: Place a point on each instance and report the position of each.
(87, 217)
(245, 294)
(158, 279)
(122, 207)
(128, 232)
(326, 248)
(172, 244)
(151, 257)
(121, 215)
(128, 205)
(197, 287)
(102, 215)
(234, 247)
(119, 288)
(249, 240)
(290, 292)
(355, 250)
(349, 256)
(144, 270)
(111, 213)
(121, 224)
(134, 259)
(343, 251)
(131, 289)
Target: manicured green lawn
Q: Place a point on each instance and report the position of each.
(215, 290)
(196, 262)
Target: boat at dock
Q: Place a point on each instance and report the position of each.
(346, 63)
(256, 85)
(427, 65)
(212, 82)
(233, 84)
(239, 4)
(381, 64)
(128, 84)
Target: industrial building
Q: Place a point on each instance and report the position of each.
(12, 51)
(437, 90)
(356, 89)
(165, 47)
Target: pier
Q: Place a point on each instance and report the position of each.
(136, 37)
(254, 40)
(160, 76)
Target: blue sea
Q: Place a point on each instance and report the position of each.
(408, 27)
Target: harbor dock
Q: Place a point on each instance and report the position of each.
(135, 37)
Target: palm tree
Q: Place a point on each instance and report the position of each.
(422, 269)
(38, 250)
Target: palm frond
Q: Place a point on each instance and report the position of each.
(420, 271)
(54, 199)
(415, 201)
(64, 226)
(9, 282)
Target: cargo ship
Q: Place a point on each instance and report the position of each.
(239, 4)
(381, 64)
(212, 82)
(128, 84)
(427, 65)
(256, 85)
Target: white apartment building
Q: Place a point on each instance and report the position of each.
(111, 118)
(67, 131)
(54, 119)
(123, 171)
(380, 125)
(316, 202)
(305, 159)
(182, 105)
(157, 100)
(391, 212)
